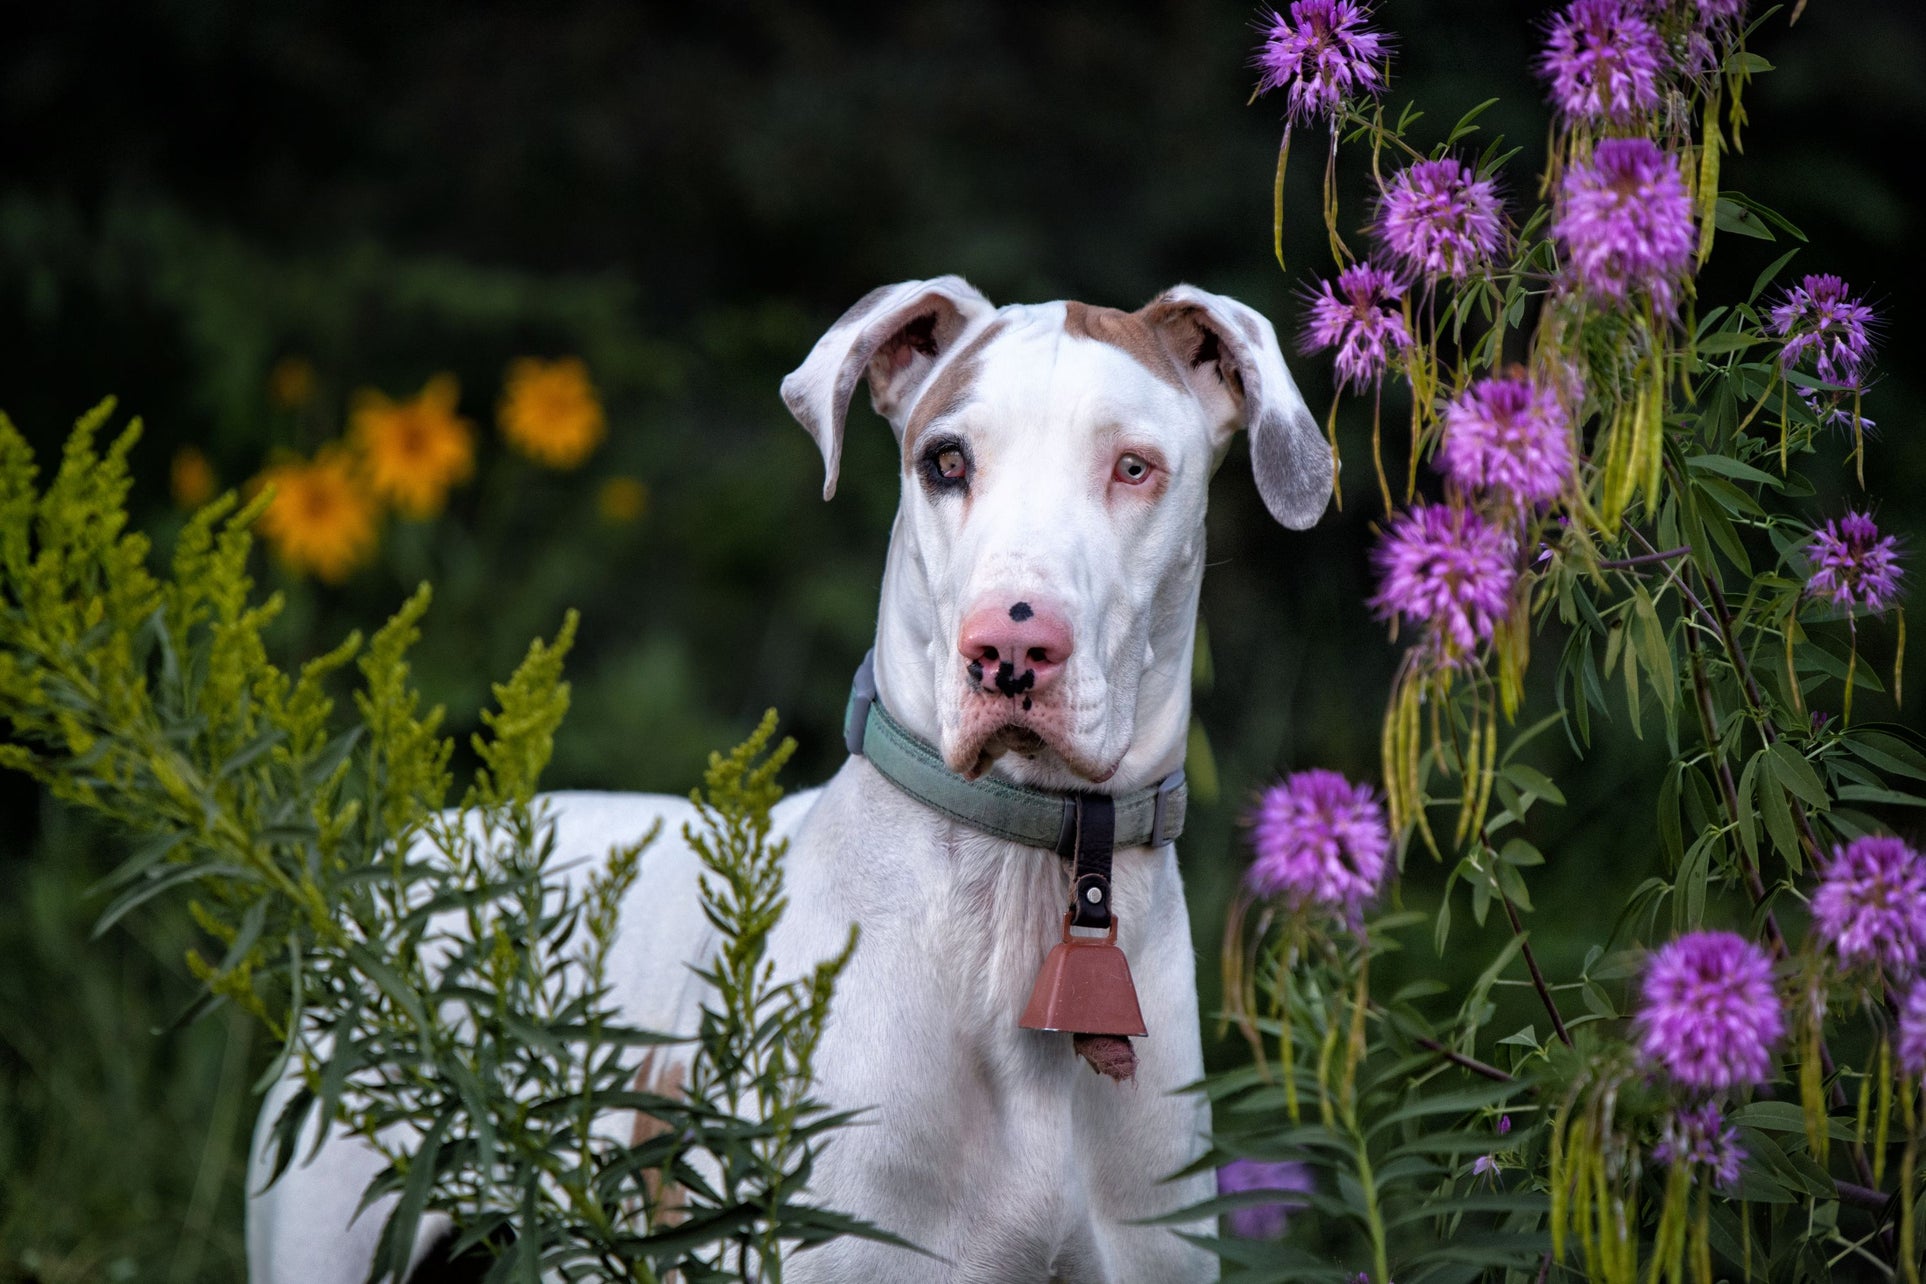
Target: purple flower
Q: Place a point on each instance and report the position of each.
(1912, 1031)
(1713, 22)
(1604, 61)
(1698, 1136)
(1319, 840)
(1853, 564)
(1507, 435)
(1829, 331)
(1321, 55)
(1444, 568)
(1625, 222)
(1360, 318)
(1709, 1015)
(1262, 1221)
(1871, 904)
(1439, 218)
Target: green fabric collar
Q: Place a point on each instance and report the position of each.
(1033, 817)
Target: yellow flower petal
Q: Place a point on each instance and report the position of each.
(550, 413)
(415, 450)
(321, 521)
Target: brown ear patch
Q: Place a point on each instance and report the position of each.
(1128, 332)
(950, 388)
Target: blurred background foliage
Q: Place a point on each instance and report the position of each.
(236, 217)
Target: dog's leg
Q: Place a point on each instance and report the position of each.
(303, 1228)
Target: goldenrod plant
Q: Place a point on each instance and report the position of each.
(436, 985)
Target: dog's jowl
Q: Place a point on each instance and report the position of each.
(1012, 791)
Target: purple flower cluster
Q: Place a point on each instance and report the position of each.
(1446, 569)
(1912, 1031)
(1604, 60)
(1509, 435)
(1871, 904)
(1853, 565)
(1320, 56)
(1625, 223)
(1358, 314)
(1709, 1015)
(1262, 1221)
(1320, 840)
(1440, 219)
(1698, 1136)
(1826, 329)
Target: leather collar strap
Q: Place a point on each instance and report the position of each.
(1033, 817)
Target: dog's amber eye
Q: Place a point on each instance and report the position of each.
(946, 466)
(1133, 470)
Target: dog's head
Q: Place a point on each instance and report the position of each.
(1041, 595)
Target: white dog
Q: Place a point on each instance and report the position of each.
(1033, 646)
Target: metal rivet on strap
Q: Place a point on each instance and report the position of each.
(1094, 895)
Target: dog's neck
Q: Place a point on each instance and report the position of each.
(908, 652)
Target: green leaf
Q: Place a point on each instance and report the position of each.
(1467, 122)
(1530, 780)
(1743, 62)
(1766, 277)
(1730, 216)
(1518, 852)
(1889, 797)
(1748, 820)
(1726, 466)
(1726, 341)
(390, 982)
(1778, 819)
(1887, 752)
(398, 1234)
(1796, 774)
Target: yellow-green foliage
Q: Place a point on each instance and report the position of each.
(434, 988)
(154, 703)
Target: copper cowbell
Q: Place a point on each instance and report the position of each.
(1084, 987)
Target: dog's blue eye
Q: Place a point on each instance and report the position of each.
(1132, 469)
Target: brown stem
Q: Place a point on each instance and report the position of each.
(1644, 559)
(1757, 704)
(1755, 885)
(1537, 977)
(1729, 792)
(1451, 1054)
(1472, 1064)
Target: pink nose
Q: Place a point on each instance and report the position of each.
(1014, 648)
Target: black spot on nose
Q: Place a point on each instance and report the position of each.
(1010, 684)
(1021, 612)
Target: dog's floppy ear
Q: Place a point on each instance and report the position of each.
(1234, 364)
(893, 337)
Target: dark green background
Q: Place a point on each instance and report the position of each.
(686, 196)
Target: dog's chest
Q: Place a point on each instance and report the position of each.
(998, 917)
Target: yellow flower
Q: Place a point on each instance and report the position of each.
(622, 500)
(291, 383)
(550, 413)
(415, 449)
(191, 478)
(321, 521)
